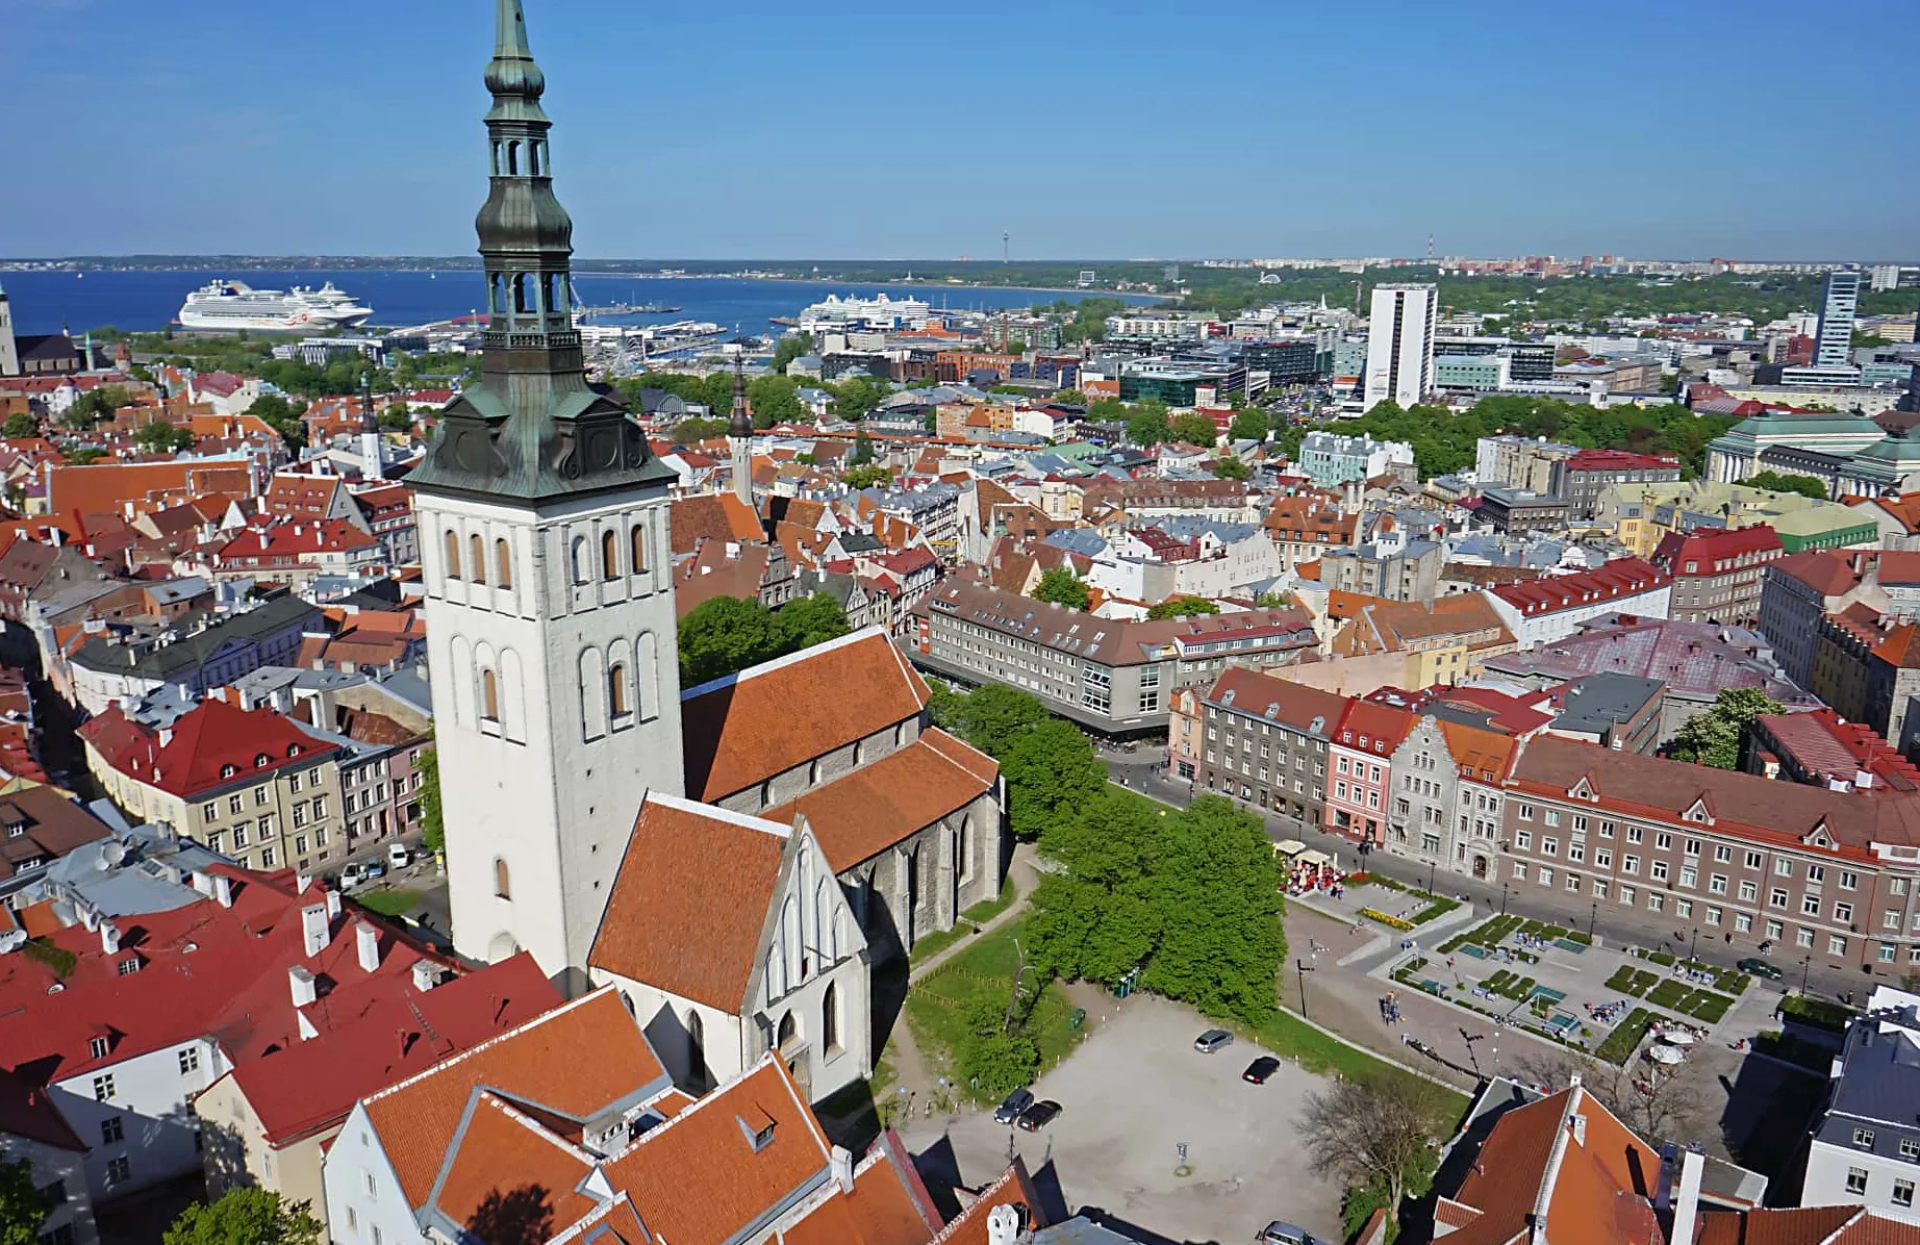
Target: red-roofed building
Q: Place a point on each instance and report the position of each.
(1717, 573)
(293, 495)
(248, 783)
(1548, 610)
(1822, 749)
(297, 553)
(1581, 478)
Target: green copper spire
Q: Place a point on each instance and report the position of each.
(533, 427)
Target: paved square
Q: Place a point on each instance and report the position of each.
(1134, 1089)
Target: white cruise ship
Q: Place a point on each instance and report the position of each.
(840, 315)
(230, 305)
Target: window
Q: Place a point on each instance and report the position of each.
(319, 811)
(1816, 874)
(234, 804)
(1777, 897)
(1903, 1193)
(1749, 890)
(1843, 913)
(1634, 834)
(1856, 1180)
(1657, 870)
(1683, 907)
(1722, 854)
(1754, 860)
(639, 551)
(1629, 864)
(1524, 812)
(617, 690)
(1519, 871)
(580, 575)
(489, 696)
(830, 1018)
(1810, 905)
(477, 559)
(1910, 1149)
(1523, 840)
(1603, 858)
(1663, 841)
(1626, 895)
(1836, 945)
(1549, 846)
(209, 810)
(1849, 881)
(1783, 867)
(266, 857)
(1656, 902)
(119, 1171)
(502, 882)
(1546, 876)
(609, 556)
(503, 563)
(453, 554)
(189, 1059)
(103, 1090)
(1717, 884)
(112, 1130)
(1551, 817)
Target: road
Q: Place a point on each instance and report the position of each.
(1143, 770)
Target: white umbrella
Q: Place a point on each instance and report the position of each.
(1679, 1037)
(1665, 1054)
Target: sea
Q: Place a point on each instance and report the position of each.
(148, 300)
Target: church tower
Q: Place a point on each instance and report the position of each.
(740, 440)
(549, 594)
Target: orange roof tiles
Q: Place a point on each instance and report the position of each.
(744, 729)
(859, 815)
(503, 1161)
(687, 907)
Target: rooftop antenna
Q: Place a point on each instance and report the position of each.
(1006, 247)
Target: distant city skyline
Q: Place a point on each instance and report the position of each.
(1080, 130)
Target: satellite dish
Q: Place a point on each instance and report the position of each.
(114, 853)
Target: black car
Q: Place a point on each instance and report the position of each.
(1759, 968)
(1260, 1069)
(1039, 1115)
(1016, 1104)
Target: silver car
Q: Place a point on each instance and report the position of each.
(1280, 1232)
(1213, 1040)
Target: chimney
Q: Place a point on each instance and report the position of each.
(302, 882)
(333, 904)
(313, 928)
(109, 937)
(426, 975)
(1003, 1226)
(301, 981)
(367, 939)
(841, 1162)
(223, 889)
(1686, 1204)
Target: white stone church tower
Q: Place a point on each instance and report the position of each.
(549, 595)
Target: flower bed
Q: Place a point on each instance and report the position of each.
(1393, 922)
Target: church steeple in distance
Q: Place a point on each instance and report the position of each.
(533, 427)
(740, 438)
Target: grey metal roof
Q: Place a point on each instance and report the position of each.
(1599, 701)
(194, 648)
(1878, 1088)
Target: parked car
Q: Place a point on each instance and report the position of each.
(398, 857)
(1280, 1232)
(352, 876)
(373, 869)
(1759, 968)
(1213, 1040)
(1015, 1105)
(1260, 1069)
(1039, 1115)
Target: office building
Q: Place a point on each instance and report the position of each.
(1833, 346)
(1400, 343)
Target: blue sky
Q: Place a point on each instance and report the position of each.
(1110, 130)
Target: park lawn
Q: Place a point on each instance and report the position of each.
(397, 902)
(930, 945)
(937, 1004)
(1625, 1038)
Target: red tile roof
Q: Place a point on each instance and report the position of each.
(213, 745)
(1618, 578)
(1715, 551)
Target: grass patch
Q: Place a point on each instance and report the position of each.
(1490, 933)
(1626, 1037)
(57, 960)
(929, 945)
(389, 903)
(1438, 906)
(1293, 1039)
(1668, 994)
(1817, 1012)
(1705, 1005)
(1510, 985)
(937, 1005)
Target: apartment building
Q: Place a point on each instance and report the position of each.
(1548, 610)
(1258, 739)
(1797, 590)
(1360, 774)
(1717, 573)
(1107, 675)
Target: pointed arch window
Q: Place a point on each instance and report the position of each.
(533, 159)
(697, 1047)
(502, 879)
(477, 565)
(453, 554)
(609, 556)
(619, 702)
(580, 572)
(830, 1017)
(552, 287)
(489, 696)
(503, 563)
(639, 551)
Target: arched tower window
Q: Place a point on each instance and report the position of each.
(503, 563)
(496, 295)
(639, 543)
(477, 566)
(502, 882)
(523, 293)
(453, 554)
(489, 696)
(609, 556)
(533, 158)
(580, 575)
(553, 293)
(618, 701)
(787, 1033)
(513, 158)
(496, 160)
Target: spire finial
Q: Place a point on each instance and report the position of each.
(510, 31)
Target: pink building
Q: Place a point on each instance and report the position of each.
(1360, 768)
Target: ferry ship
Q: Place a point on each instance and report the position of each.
(229, 305)
(851, 314)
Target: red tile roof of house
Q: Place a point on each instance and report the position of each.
(1832, 750)
(1712, 551)
(211, 746)
(745, 728)
(1370, 727)
(1618, 578)
(686, 909)
(1619, 460)
(1828, 572)
(289, 540)
(107, 488)
(1807, 1225)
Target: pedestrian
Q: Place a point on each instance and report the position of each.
(1450, 960)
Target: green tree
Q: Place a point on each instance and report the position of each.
(21, 424)
(282, 416)
(998, 1055)
(810, 620)
(1249, 425)
(1228, 467)
(1108, 411)
(161, 438)
(725, 635)
(716, 392)
(789, 348)
(1061, 586)
(774, 400)
(23, 1207)
(1715, 736)
(245, 1217)
(1194, 429)
(990, 718)
(1183, 606)
(433, 823)
(1784, 482)
(396, 418)
(1051, 774)
(689, 431)
(1069, 397)
(862, 451)
(1148, 425)
(870, 476)
(1375, 1133)
(855, 397)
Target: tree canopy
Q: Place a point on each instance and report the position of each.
(159, 438)
(789, 348)
(246, 1216)
(1194, 429)
(433, 823)
(1148, 424)
(21, 424)
(23, 1207)
(1183, 606)
(1228, 467)
(1249, 425)
(990, 718)
(1061, 586)
(1715, 736)
(1784, 482)
(872, 475)
(725, 635)
(1375, 1134)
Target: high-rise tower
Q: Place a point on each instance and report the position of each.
(1400, 343)
(549, 595)
(1834, 345)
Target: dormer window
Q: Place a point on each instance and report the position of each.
(763, 1138)
(98, 1047)
(293, 750)
(262, 761)
(228, 771)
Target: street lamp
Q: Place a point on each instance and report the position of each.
(1592, 917)
(1504, 887)
(1432, 866)
(1806, 966)
(1304, 969)
(1693, 945)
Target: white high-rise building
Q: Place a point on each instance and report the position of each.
(1400, 343)
(9, 346)
(1833, 347)
(548, 575)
